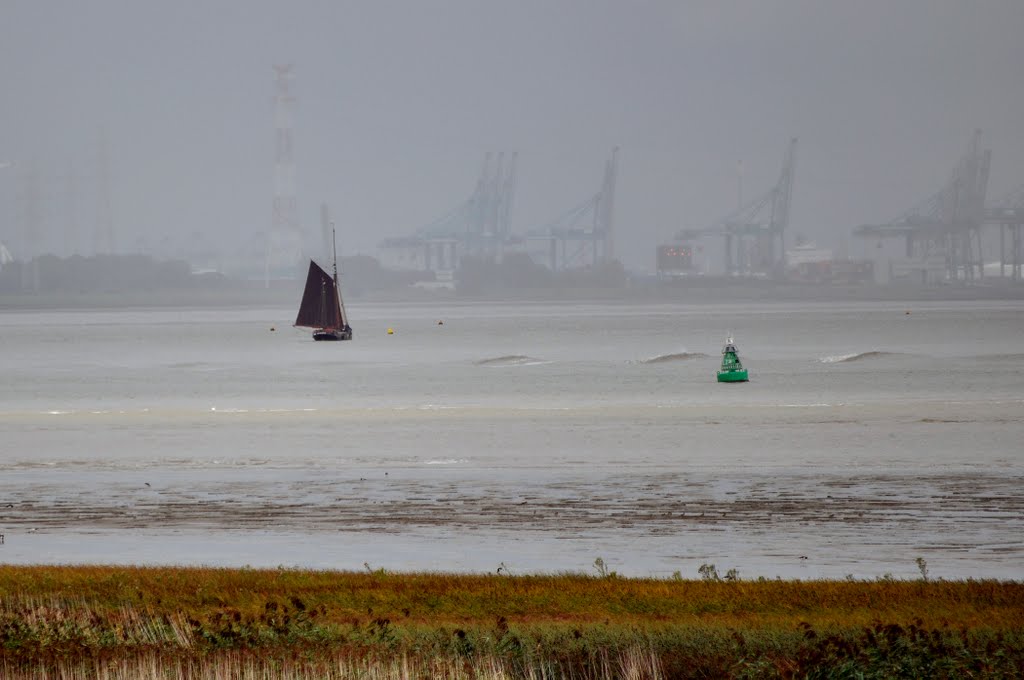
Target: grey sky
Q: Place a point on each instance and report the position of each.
(398, 101)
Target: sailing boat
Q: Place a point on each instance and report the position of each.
(732, 370)
(322, 308)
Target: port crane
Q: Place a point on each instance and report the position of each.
(585, 234)
(754, 234)
(480, 225)
(1008, 214)
(943, 232)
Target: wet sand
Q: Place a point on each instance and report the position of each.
(866, 512)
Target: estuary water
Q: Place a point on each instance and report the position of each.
(529, 437)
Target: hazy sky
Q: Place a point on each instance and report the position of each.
(398, 101)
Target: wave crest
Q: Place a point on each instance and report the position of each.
(858, 356)
(676, 356)
(509, 360)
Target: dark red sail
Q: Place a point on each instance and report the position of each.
(320, 307)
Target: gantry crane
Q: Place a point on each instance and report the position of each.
(480, 225)
(1008, 214)
(755, 233)
(946, 226)
(584, 235)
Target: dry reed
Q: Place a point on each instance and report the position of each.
(114, 623)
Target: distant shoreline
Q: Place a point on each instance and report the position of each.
(286, 294)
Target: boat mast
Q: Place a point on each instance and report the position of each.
(334, 246)
(337, 285)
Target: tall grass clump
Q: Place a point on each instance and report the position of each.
(116, 622)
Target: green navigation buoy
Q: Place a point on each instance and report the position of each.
(732, 370)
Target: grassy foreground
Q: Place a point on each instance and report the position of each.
(117, 623)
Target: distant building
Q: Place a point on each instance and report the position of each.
(5, 255)
(807, 263)
(675, 261)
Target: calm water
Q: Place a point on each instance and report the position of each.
(537, 436)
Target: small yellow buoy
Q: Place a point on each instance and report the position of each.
(391, 331)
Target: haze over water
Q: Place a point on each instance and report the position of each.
(166, 111)
(538, 436)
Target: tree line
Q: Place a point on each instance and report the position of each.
(94, 274)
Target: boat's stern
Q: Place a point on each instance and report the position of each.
(333, 333)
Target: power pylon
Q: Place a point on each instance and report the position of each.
(284, 241)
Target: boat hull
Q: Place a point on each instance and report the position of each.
(732, 376)
(331, 334)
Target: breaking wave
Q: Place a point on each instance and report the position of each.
(677, 356)
(858, 356)
(510, 360)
